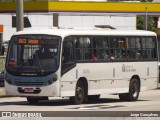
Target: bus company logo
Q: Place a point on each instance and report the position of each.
(123, 68)
(128, 68)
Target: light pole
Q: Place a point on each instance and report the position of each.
(19, 15)
(146, 20)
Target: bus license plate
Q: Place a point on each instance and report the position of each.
(28, 90)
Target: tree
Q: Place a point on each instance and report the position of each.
(140, 24)
(152, 23)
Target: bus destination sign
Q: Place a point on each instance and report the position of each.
(36, 41)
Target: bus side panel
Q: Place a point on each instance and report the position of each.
(68, 83)
(149, 75)
(115, 77)
(111, 77)
(105, 78)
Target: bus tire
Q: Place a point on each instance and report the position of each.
(93, 97)
(33, 100)
(79, 94)
(134, 89)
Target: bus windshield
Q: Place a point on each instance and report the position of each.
(33, 54)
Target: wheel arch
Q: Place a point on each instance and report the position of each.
(85, 83)
(82, 90)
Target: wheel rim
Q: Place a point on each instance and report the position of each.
(134, 90)
(79, 93)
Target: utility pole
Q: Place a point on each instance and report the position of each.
(146, 20)
(55, 20)
(19, 15)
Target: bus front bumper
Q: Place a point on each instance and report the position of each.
(50, 91)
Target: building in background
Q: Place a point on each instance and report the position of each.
(45, 21)
(67, 21)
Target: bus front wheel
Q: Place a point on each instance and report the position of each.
(79, 94)
(134, 90)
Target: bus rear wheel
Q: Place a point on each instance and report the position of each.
(134, 90)
(33, 100)
(79, 94)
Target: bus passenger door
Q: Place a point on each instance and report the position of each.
(68, 56)
(68, 70)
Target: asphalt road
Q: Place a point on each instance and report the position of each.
(108, 107)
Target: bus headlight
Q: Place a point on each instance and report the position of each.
(50, 82)
(53, 80)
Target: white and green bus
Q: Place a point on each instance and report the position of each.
(81, 64)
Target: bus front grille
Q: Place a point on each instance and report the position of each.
(28, 83)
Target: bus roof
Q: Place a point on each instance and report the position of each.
(97, 31)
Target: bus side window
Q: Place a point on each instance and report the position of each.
(83, 49)
(149, 48)
(134, 48)
(138, 54)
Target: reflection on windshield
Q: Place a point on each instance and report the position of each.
(33, 53)
(45, 58)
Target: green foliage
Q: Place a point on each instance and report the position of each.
(141, 23)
